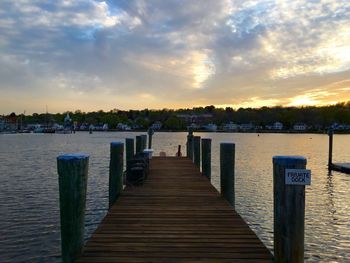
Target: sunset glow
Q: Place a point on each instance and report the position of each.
(93, 55)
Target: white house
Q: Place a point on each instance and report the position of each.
(230, 126)
(246, 126)
(156, 125)
(210, 127)
(123, 127)
(299, 126)
(277, 126)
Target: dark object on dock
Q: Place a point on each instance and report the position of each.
(178, 154)
(176, 216)
(137, 169)
(339, 167)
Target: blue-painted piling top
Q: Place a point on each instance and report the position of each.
(73, 156)
(117, 143)
(285, 160)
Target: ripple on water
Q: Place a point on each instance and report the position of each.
(29, 209)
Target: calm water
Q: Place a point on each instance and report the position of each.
(29, 208)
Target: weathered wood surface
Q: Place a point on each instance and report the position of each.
(176, 216)
(341, 167)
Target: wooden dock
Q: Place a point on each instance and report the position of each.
(176, 216)
(341, 167)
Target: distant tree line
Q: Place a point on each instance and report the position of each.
(321, 117)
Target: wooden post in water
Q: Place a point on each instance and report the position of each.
(227, 171)
(189, 144)
(144, 142)
(330, 148)
(289, 211)
(138, 144)
(115, 171)
(197, 150)
(206, 157)
(150, 134)
(72, 178)
(129, 148)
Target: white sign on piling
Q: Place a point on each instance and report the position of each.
(298, 176)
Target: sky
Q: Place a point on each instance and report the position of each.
(125, 54)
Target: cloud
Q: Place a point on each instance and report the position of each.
(176, 53)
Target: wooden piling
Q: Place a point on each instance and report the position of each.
(138, 144)
(72, 176)
(197, 150)
(189, 145)
(227, 171)
(289, 211)
(115, 171)
(150, 133)
(330, 148)
(129, 148)
(206, 157)
(144, 142)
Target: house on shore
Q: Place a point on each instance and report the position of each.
(197, 120)
(277, 126)
(246, 127)
(299, 126)
(210, 127)
(123, 127)
(230, 126)
(156, 125)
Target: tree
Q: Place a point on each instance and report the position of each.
(174, 123)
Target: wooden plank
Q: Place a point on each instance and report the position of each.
(341, 167)
(176, 216)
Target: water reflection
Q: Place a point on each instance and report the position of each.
(330, 195)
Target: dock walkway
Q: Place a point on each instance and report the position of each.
(176, 216)
(341, 167)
